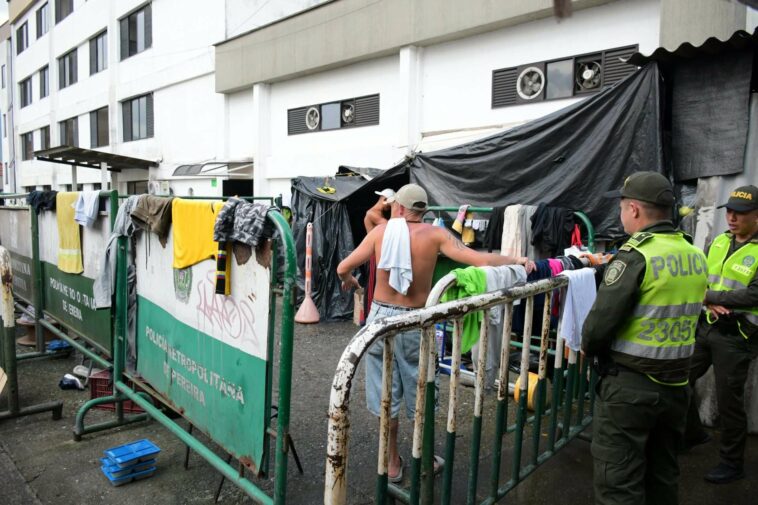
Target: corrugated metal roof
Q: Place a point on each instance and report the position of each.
(739, 40)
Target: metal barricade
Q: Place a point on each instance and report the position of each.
(565, 417)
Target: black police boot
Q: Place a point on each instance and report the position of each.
(724, 473)
(691, 443)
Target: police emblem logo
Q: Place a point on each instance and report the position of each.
(182, 284)
(748, 261)
(613, 272)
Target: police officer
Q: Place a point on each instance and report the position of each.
(727, 335)
(641, 334)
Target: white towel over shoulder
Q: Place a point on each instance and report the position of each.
(396, 254)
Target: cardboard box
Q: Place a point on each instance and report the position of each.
(359, 316)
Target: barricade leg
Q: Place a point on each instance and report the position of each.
(455, 377)
(9, 350)
(501, 414)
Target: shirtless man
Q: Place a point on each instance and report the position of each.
(426, 242)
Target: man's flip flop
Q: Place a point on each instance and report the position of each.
(439, 465)
(399, 477)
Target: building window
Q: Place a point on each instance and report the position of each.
(69, 132)
(98, 53)
(137, 114)
(27, 146)
(2, 76)
(25, 91)
(43, 20)
(563, 78)
(22, 38)
(136, 32)
(44, 137)
(98, 127)
(44, 81)
(62, 9)
(67, 67)
(348, 113)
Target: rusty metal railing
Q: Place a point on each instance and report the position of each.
(565, 415)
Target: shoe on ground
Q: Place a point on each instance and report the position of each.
(724, 473)
(691, 443)
(25, 320)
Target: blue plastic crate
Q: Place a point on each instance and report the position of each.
(108, 465)
(132, 453)
(120, 481)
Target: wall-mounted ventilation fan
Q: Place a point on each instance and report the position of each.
(348, 113)
(312, 118)
(588, 75)
(530, 83)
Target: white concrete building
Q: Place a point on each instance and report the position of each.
(414, 74)
(5, 139)
(125, 77)
(423, 74)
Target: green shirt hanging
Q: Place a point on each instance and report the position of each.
(470, 281)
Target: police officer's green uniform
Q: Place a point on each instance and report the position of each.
(641, 331)
(728, 342)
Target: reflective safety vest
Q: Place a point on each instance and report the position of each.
(733, 272)
(662, 324)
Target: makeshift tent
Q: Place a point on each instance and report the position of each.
(567, 159)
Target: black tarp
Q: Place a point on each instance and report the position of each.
(337, 227)
(332, 239)
(709, 115)
(566, 159)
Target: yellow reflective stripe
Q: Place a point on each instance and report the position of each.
(729, 283)
(663, 311)
(683, 383)
(653, 352)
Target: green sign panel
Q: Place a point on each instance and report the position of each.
(23, 279)
(69, 298)
(219, 389)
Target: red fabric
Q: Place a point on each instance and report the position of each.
(576, 237)
(369, 297)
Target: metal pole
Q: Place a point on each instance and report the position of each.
(541, 381)
(39, 298)
(385, 419)
(285, 356)
(455, 377)
(476, 435)
(501, 415)
(9, 349)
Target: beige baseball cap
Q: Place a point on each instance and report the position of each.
(411, 196)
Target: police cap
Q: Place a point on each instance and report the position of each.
(650, 187)
(742, 199)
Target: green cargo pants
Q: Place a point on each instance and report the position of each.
(730, 354)
(638, 427)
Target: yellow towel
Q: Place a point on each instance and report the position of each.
(468, 235)
(69, 242)
(192, 225)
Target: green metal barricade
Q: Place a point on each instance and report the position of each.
(210, 357)
(564, 418)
